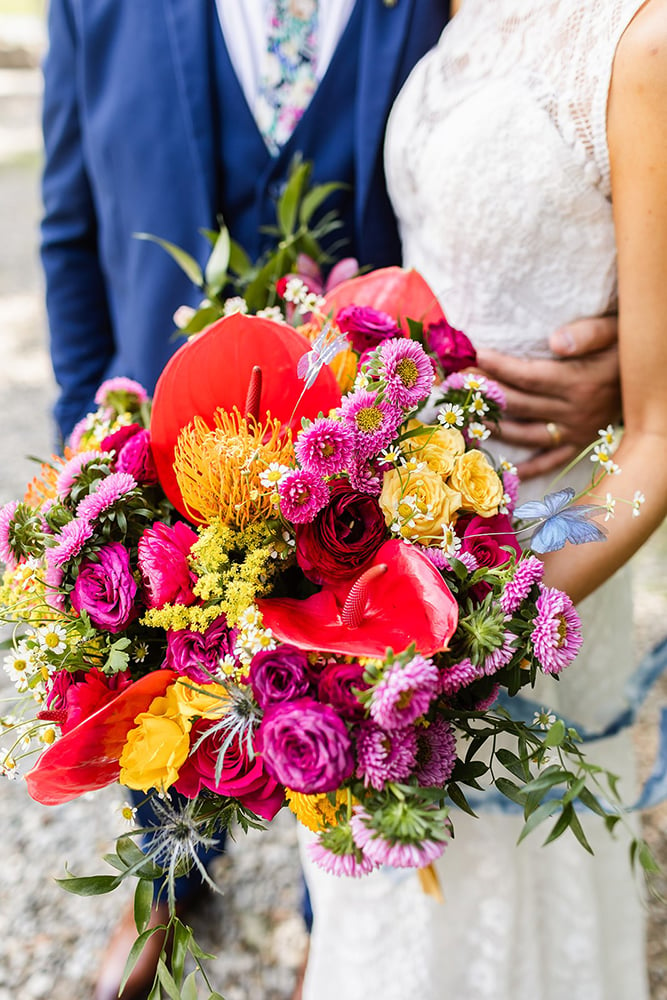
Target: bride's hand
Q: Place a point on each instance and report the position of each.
(557, 406)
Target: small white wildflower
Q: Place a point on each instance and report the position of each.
(607, 434)
(311, 302)
(506, 466)
(602, 456)
(474, 383)
(272, 475)
(362, 381)
(274, 313)
(609, 506)
(451, 415)
(391, 456)
(544, 718)
(637, 500)
(8, 766)
(127, 813)
(478, 432)
(140, 652)
(52, 638)
(182, 316)
(234, 305)
(250, 617)
(450, 543)
(478, 405)
(295, 290)
(505, 503)
(413, 464)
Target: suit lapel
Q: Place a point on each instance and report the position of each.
(188, 27)
(383, 35)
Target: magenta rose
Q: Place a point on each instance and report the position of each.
(133, 453)
(366, 327)
(75, 696)
(450, 346)
(337, 686)
(197, 654)
(280, 674)
(343, 538)
(106, 589)
(163, 552)
(242, 778)
(119, 438)
(487, 538)
(305, 745)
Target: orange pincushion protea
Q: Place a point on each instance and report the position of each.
(43, 486)
(222, 471)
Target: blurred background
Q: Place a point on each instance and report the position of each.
(50, 941)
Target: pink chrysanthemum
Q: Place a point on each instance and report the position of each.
(364, 478)
(71, 541)
(6, 517)
(399, 854)
(435, 556)
(556, 631)
(527, 573)
(353, 865)
(77, 433)
(384, 756)
(325, 447)
(436, 754)
(52, 581)
(458, 676)
(374, 422)
(489, 700)
(302, 495)
(70, 471)
(500, 657)
(110, 491)
(489, 389)
(511, 486)
(404, 693)
(407, 371)
(120, 384)
(469, 561)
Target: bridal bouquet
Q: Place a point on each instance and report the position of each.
(295, 579)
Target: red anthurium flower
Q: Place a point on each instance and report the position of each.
(87, 756)
(214, 370)
(401, 598)
(394, 290)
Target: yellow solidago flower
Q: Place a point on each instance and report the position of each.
(218, 469)
(315, 811)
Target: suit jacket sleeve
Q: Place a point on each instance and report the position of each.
(81, 336)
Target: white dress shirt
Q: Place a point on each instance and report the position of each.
(243, 24)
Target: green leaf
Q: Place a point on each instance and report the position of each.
(555, 735)
(135, 952)
(167, 980)
(288, 203)
(459, 799)
(543, 812)
(553, 775)
(589, 800)
(93, 885)
(313, 199)
(185, 261)
(646, 859)
(574, 791)
(201, 318)
(189, 990)
(239, 262)
(578, 831)
(216, 996)
(561, 824)
(518, 767)
(510, 790)
(215, 274)
(143, 901)
(179, 949)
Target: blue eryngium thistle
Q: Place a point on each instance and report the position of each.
(177, 837)
(559, 521)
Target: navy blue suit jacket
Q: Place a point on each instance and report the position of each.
(129, 147)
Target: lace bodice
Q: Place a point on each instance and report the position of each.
(498, 167)
(498, 170)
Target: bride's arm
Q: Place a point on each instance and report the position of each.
(637, 135)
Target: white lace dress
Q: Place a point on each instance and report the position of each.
(498, 170)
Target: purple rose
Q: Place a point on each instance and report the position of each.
(106, 589)
(281, 674)
(337, 685)
(366, 327)
(197, 655)
(305, 745)
(451, 347)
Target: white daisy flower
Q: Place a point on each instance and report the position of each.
(473, 382)
(52, 638)
(608, 434)
(506, 466)
(450, 543)
(609, 506)
(478, 405)
(451, 415)
(272, 475)
(544, 718)
(637, 500)
(478, 432)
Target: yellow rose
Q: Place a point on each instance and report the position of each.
(438, 446)
(189, 699)
(420, 502)
(478, 483)
(155, 751)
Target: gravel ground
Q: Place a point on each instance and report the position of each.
(50, 942)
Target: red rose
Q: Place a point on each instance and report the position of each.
(342, 540)
(242, 778)
(338, 682)
(451, 347)
(487, 539)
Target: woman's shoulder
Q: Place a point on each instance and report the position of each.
(641, 57)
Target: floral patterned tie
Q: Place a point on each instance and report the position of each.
(288, 78)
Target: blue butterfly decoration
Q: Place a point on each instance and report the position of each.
(561, 522)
